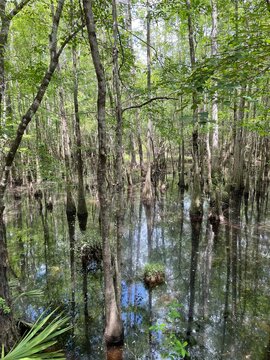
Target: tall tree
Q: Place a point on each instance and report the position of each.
(113, 327)
(82, 212)
(8, 333)
(147, 189)
(6, 18)
(196, 200)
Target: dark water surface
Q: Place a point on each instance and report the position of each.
(216, 294)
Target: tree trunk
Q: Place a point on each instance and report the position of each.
(82, 212)
(237, 177)
(119, 159)
(214, 48)
(196, 199)
(140, 148)
(70, 203)
(5, 24)
(9, 332)
(147, 192)
(113, 327)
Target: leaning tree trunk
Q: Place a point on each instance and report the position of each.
(113, 327)
(8, 331)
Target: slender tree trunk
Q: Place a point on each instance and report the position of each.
(70, 203)
(195, 240)
(119, 158)
(8, 332)
(237, 180)
(214, 49)
(140, 148)
(82, 212)
(5, 24)
(196, 200)
(214, 167)
(113, 327)
(147, 189)
(181, 164)
(117, 102)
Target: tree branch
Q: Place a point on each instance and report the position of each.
(143, 41)
(148, 102)
(69, 38)
(27, 117)
(17, 9)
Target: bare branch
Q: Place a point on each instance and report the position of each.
(148, 102)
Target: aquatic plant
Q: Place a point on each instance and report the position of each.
(173, 346)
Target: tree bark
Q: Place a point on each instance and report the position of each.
(214, 48)
(119, 158)
(82, 212)
(70, 203)
(147, 192)
(196, 199)
(113, 327)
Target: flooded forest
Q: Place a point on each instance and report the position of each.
(134, 179)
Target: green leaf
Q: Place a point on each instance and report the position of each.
(41, 337)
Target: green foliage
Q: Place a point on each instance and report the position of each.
(153, 269)
(178, 348)
(173, 346)
(48, 164)
(259, 124)
(30, 294)
(4, 307)
(40, 338)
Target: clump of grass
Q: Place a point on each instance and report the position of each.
(154, 274)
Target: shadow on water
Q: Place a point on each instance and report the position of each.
(219, 276)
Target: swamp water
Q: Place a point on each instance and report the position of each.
(216, 294)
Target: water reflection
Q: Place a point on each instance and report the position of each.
(219, 276)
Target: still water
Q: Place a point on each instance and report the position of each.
(216, 295)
